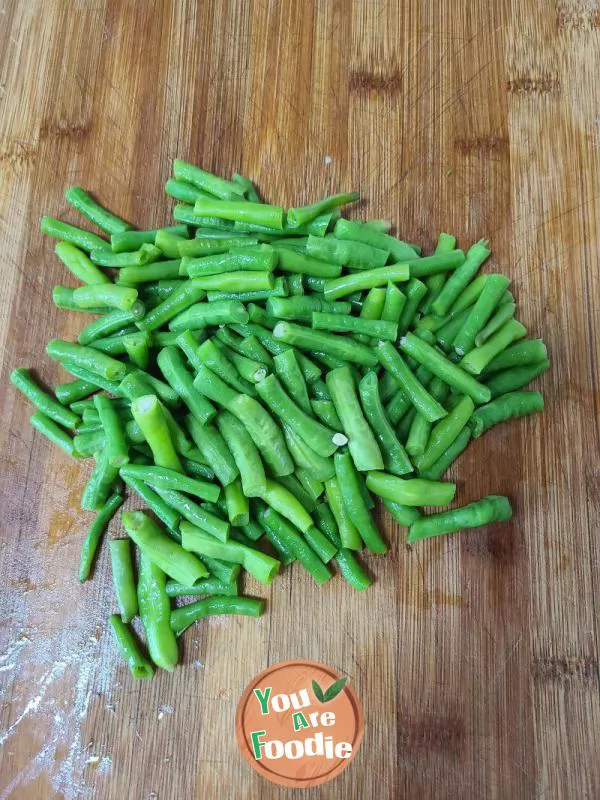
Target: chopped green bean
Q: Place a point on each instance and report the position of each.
(493, 508)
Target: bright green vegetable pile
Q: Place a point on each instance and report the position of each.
(263, 373)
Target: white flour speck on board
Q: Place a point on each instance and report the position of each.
(328, 160)
(164, 710)
(56, 675)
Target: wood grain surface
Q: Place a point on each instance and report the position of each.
(476, 656)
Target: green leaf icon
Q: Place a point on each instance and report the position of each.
(335, 688)
(318, 692)
(330, 693)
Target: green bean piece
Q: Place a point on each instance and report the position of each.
(183, 297)
(304, 496)
(299, 263)
(87, 358)
(105, 295)
(373, 328)
(527, 351)
(84, 444)
(197, 468)
(411, 492)
(206, 182)
(73, 391)
(351, 254)
(169, 479)
(102, 482)
(477, 360)
(480, 313)
(24, 381)
(278, 289)
(182, 190)
(110, 323)
(93, 211)
(408, 382)
(439, 467)
(139, 382)
(459, 279)
(242, 211)
(445, 433)
(53, 432)
(415, 292)
(348, 533)
(505, 312)
(148, 413)
(329, 343)
(162, 551)
(155, 614)
(79, 264)
(493, 508)
(210, 385)
(513, 378)
(168, 243)
(445, 244)
(321, 439)
(366, 279)
(450, 329)
(325, 411)
(394, 303)
(95, 533)
(128, 647)
(128, 241)
(206, 586)
(349, 484)
(260, 565)
(452, 374)
(184, 212)
(237, 505)
(62, 297)
(117, 450)
(318, 389)
(283, 501)
(301, 215)
(395, 459)
(420, 428)
(145, 255)
(352, 570)
(366, 234)
(362, 443)
(159, 270)
(212, 446)
(184, 616)
(123, 578)
(289, 373)
(167, 515)
(222, 570)
(326, 523)
(244, 452)
(319, 467)
(318, 227)
(258, 259)
(247, 185)
(265, 434)
(173, 368)
(507, 406)
(320, 544)
(210, 355)
(404, 515)
(275, 523)
(248, 368)
(69, 233)
(260, 315)
(302, 308)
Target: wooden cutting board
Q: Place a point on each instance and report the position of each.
(475, 656)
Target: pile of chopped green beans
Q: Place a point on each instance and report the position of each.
(255, 376)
